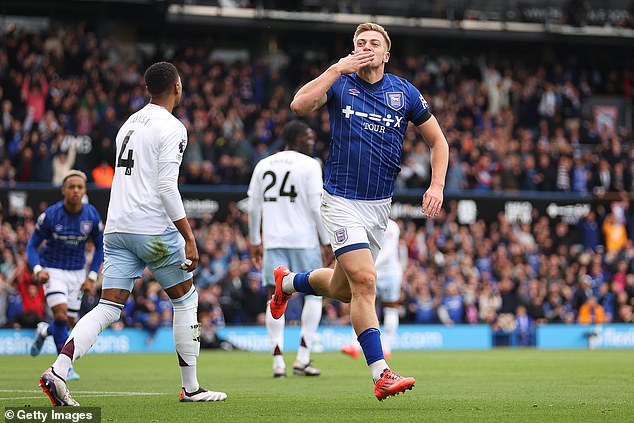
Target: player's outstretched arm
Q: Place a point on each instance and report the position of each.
(433, 197)
(313, 95)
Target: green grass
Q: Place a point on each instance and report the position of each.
(462, 386)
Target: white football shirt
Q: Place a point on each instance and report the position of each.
(284, 200)
(388, 261)
(148, 138)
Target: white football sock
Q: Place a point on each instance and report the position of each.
(187, 337)
(275, 329)
(287, 283)
(85, 334)
(355, 341)
(311, 315)
(390, 327)
(377, 368)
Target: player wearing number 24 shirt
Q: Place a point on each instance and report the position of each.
(284, 194)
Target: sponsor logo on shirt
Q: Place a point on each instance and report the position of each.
(353, 91)
(378, 122)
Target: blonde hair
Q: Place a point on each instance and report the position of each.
(74, 172)
(370, 26)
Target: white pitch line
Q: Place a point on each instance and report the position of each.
(77, 396)
(104, 393)
(10, 391)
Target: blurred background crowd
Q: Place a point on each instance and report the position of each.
(513, 124)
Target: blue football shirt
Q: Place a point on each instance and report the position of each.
(66, 234)
(367, 128)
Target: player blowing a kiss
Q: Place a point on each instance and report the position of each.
(369, 112)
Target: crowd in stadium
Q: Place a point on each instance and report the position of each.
(509, 128)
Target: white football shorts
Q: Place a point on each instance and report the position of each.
(64, 287)
(126, 255)
(388, 286)
(354, 224)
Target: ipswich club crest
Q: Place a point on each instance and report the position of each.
(395, 100)
(341, 235)
(85, 226)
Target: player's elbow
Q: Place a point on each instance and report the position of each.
(299, 107)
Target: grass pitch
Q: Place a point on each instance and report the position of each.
(462, 386)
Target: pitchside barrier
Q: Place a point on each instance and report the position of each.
(213, 202)
(409, 337)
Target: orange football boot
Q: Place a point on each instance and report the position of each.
(279, 300)
(392, 384)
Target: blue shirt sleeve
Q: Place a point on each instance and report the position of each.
(418, 111)
(331, 91)
(97, 239)
(41, 232)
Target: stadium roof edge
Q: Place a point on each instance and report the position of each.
(182, 13)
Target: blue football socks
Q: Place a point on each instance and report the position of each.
(300, 283)
(60, 333)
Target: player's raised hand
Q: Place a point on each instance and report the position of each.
(432, 200)
(355, 61)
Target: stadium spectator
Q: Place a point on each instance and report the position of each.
(591, 313)
(524, 327)
(103, 175)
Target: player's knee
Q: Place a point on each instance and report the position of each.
(186, 302)
(363, 282)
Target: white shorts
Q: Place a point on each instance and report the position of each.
(126, 255)
(354, 224)
(64, 287)
(388, 287)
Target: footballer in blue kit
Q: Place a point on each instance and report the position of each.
(60, 264)
(374, 117)
(369, 114)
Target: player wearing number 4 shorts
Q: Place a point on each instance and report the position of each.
(146, 226)
(285, 227)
